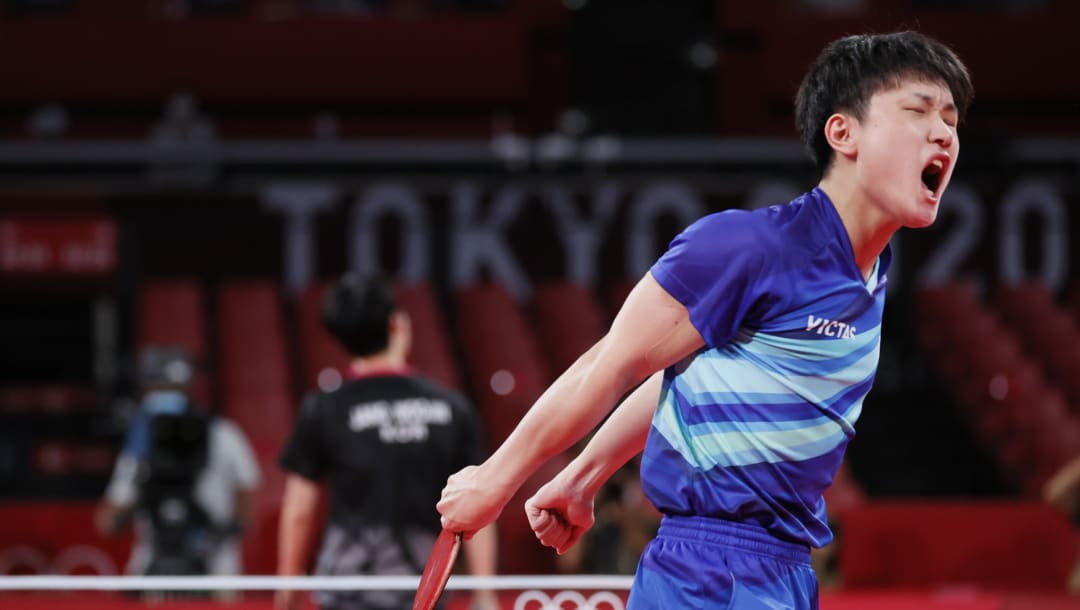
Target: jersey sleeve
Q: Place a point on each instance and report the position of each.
(712, 268)
(303, 453)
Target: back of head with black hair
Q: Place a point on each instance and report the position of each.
(356, 311)
(852, 69)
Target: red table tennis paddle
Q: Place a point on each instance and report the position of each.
(437, 570)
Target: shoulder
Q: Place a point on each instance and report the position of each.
(745, 232)
(774, 233)
(225, 430)
(731, 240)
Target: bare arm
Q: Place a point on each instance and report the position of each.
(480, 552)
(480, 560)
(296, 534)
(562, 510)
(621, 437)
(296, 531)
(115, 510)
(1062, 491)
(246, 504)
(651, 332)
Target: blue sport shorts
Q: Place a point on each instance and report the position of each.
(700, 562)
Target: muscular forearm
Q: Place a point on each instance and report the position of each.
(563, 509)
(621, 437)
(651, 332)
(563, 414)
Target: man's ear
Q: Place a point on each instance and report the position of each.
(841, 131)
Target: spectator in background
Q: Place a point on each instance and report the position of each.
(386, 441)
(188, 479)
(1062, 491)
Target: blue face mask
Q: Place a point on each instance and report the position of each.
(165, 402)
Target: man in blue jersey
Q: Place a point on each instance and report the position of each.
(757, 336)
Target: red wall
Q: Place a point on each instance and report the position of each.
(998, 546)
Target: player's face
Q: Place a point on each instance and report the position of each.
(907, 150)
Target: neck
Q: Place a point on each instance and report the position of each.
(381, 361)
(868, 229)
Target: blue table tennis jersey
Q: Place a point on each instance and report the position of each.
(753, 427)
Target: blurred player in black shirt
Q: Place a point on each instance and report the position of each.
(385, 441)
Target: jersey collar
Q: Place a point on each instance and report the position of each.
(836, 234)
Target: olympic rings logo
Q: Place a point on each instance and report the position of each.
(72, 560)
(538, 600)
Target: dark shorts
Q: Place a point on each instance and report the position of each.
(377, 551)
(698, 562)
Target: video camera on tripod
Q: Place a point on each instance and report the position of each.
(174, 446)
(183, 536)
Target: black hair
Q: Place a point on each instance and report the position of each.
(356, 311)
(852, 69)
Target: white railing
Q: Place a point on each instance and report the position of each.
(321, 583)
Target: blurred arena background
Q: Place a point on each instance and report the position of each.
(192, 172)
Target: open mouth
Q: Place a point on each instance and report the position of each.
(933, 173)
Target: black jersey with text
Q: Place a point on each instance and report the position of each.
(386, 445)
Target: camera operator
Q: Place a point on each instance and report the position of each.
(187, 479)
